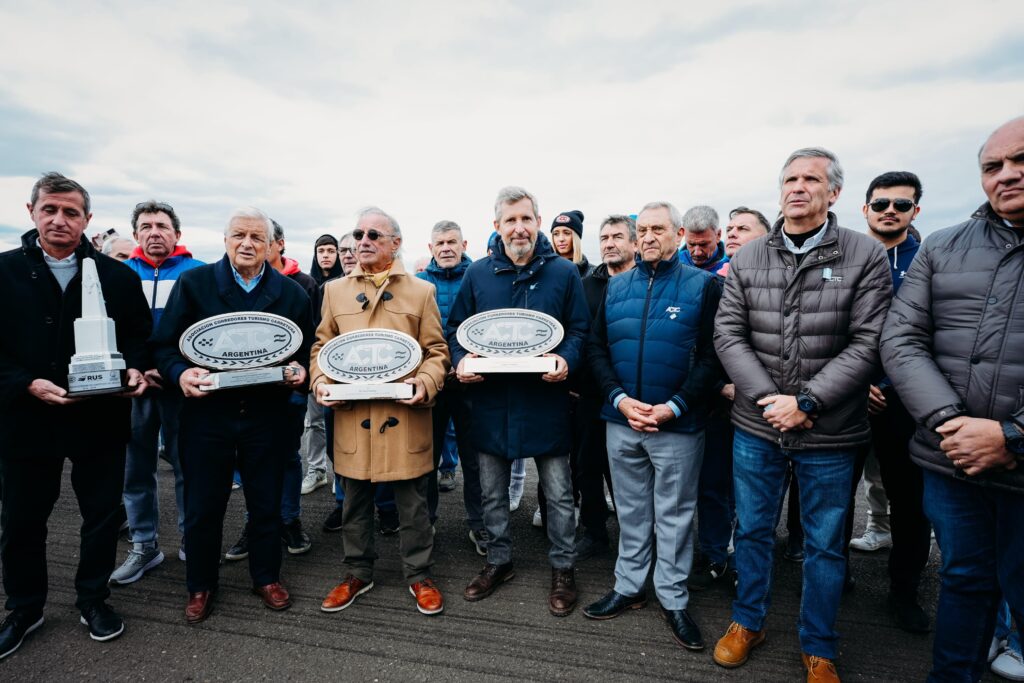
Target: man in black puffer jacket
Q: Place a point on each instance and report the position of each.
(952, 347)
(797, 331)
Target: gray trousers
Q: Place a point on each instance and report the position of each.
(655, 477)
(314, 438)
(415, 537)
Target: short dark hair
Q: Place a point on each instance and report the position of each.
(278, 231)
(753, 212)
(55, 183)
(896, 179)
(153, 206)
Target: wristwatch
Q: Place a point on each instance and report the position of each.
(1014, 437)
(806, 402)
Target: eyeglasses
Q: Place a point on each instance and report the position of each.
(881, 204)
(372, 234)
(346, 250)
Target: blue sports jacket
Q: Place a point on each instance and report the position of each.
(157, 282)
(446, 282)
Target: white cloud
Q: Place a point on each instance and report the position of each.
(312, 110)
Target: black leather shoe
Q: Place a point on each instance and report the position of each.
(15, 627)
(907, 614)
(613, 604)
(684, 629)
(103, 622)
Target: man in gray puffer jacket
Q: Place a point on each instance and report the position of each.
(797, 331)
(952, 346)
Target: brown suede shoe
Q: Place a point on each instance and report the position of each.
(274, 595)
(562, 598)
(733, 649)
(199, 606)
(820, 670)
(489, 578)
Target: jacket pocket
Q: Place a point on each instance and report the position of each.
(419, 435)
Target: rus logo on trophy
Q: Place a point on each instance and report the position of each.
(366, 362)
(96, 367)
(510, 340)
(242, 347)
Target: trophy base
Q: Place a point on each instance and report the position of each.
(484, 366)
(368, 392)
(94, 382)
(232, 379)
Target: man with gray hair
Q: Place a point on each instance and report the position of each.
(702, 240)
(798, 333)
(519, 416)
(241, 427)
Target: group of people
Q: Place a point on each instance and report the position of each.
(700, 377)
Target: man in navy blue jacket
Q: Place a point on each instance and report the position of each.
(523, 415)
(651, 350)
(445, 271)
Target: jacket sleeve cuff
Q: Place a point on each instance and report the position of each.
(176, 371)
(943, 414)
(678, 405)
(616, 397)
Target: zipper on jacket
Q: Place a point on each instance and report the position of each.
(156, 280)
(643, 335)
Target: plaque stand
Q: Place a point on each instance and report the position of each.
(96, 367)
(230, 379)
(369, 392)
(484, 366)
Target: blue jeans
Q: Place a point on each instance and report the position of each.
(495, 473)
(517, 482)
(825, 478)
(149, 412)
(978, 530)
(716, 510)
(450, 451)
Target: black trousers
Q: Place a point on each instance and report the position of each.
(212, 443)
(31, 485)
(891, 432)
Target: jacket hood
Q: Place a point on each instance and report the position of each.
(291, 266)
(317, 273)
(179, 250)
(459, 269)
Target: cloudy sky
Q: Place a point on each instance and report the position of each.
(312, 110)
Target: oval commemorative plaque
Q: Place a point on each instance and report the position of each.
(370, 356)
(510, 333)
(234, 341)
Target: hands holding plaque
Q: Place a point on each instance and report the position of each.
(365, 362)
(243, 347)
(511, 340)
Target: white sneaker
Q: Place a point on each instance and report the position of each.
(138, 563)
(313, 480)
(1009, 665)
(513, 503)
(871, 541)
(538, 521)
(997, 646)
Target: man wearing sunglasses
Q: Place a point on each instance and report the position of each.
(892, 204)
(951, 344)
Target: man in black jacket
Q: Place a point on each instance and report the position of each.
(40, 424)
(244, 425)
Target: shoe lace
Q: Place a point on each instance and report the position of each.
(563, 577)
(425, 585)
(815, 662)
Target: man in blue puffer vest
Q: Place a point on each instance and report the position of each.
(445, 271)
(519, 416)
(158, 260)
(651, 350)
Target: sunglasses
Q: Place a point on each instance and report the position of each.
(881, 204)
(372, 234)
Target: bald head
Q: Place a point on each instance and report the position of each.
(1002, 170)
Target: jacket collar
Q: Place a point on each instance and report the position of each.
(458, 270)
(179, 251)
(713, 263)
(986, 213)
(777, 241)
(665, 267)
(30, 247)
(270, 287)
(542, 253)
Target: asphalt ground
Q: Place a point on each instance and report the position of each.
(381, 637)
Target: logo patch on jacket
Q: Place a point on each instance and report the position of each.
(672, 311)
(827, 276)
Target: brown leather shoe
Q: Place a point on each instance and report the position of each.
(199, 606)
(489, 578)
(345, 593)
(274, 595)
(820, 670)
(733, 649)
(428, 597)
(562, 598)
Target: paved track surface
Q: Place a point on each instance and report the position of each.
(509, 636)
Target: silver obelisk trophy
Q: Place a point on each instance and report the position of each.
(97, 367)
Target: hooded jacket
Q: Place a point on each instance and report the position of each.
(953, 337)
(900, 257)
(446, 283)
(157, 281)
(317, 273)
(41, 340)
(520, 415)
(785, 326)
(715, 264)
(652, 341)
